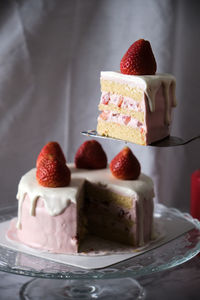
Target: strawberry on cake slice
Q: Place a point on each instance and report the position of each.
(60, 203)
(136, 103)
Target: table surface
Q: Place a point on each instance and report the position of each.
(182, 282)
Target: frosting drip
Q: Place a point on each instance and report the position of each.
(55, 199)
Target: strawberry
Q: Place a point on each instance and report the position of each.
(139, 59)
(105, 99)
(104, 115)
(51, 150)
(125, 165)
(52, 172)
(121, 99)
(90, 155)
(126, 119)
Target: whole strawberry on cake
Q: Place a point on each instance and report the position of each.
(136, 103)
(60, 203)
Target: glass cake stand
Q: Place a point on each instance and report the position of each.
(117, 281)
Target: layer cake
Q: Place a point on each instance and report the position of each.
(58, 219)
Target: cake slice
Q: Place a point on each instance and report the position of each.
(136, 108)
(136, 104)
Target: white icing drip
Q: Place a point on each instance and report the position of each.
(150, 85)
(55, 199)
(33, 206)
(20, 197)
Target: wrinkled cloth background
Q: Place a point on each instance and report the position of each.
(51, 55)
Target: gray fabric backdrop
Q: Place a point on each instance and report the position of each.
(51, 55)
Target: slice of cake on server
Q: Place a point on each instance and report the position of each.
(136, 104)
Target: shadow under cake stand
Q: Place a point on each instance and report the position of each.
(118, 281)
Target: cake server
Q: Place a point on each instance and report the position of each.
(169, 141)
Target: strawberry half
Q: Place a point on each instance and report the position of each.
(125, 165)
(51, 150)
(90, 155)
(139, 59)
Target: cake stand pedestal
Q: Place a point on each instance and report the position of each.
(115, 282)
(126, 288)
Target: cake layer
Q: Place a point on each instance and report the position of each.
(118, 88)
(55, 219)
(135, 135)
(123, 132)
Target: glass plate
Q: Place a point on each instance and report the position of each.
(164, 257)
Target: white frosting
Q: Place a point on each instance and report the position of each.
(57, 199)
(150, 85)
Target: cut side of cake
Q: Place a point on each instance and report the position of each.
(58, 219)
(118, 216)
(136, 108)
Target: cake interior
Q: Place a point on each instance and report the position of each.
(114, 216)
(109, 215)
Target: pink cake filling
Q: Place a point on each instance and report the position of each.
(121, 119)
(121, 101)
